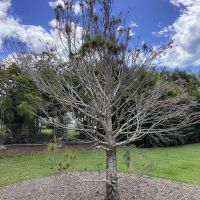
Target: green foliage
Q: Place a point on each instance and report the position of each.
(47, 131)
(20, 94)
(4, 132)
(24, 109)
(66, 162)
(173, 92)
(60, 162)
(99, 41)
(73, 133)
(53, 147)
(19, 101)
(182, 83)
(99, 166)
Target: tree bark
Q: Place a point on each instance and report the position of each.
(112, 191)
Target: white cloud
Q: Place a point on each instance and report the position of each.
(76, 7)
(35, 37)
(180, 3)
(4, 6)
(53, 23)
(133, 25)
(185, 33)
(54, 4)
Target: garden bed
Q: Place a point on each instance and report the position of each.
(72, 187)
(19, 150)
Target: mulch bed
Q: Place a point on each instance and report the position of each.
(19, 150)
(75, 186)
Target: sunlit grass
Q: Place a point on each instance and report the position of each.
(175, 163)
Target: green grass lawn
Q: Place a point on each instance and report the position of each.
(175, 163)
(47, 131)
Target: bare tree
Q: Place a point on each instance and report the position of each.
(102, 75)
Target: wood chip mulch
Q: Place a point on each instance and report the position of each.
(76, 186)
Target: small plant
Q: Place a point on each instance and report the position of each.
(99, 167)
(52, 147)
(60, 161)
(127, 160)
(66, 162)
(53, 156)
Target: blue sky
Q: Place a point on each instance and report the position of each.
(36, 12)
(149, 15)
(158, 21)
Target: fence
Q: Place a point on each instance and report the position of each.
(16, 134)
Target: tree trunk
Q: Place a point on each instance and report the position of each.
(112, 191)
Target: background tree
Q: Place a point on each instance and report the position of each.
(19, 98)
(190, 82)
(102, 75)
